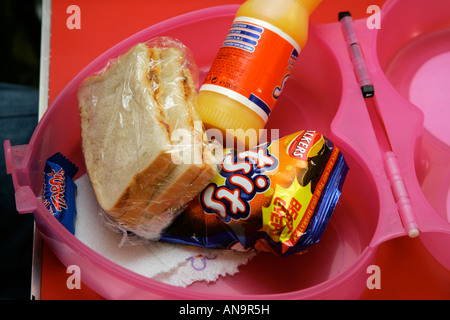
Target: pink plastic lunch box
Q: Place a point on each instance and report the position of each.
(408, 59)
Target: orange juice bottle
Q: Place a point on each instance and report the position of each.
(253, 64)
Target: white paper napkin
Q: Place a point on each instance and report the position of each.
(179, 265)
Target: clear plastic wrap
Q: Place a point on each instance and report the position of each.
(144, 145)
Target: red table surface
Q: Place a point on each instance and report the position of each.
(408, 271)
(105, 23)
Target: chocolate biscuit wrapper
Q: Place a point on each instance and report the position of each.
(59, 190)
(277, 197)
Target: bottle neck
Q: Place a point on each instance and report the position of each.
(309, 5)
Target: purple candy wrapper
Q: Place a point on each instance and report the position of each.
(58, 192)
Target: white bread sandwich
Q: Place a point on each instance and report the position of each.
(129, 115)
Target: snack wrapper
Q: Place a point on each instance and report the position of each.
(277, 197)
(59, 190)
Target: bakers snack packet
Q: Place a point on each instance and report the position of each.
(277, 197)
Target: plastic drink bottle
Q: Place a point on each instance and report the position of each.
(252, 66)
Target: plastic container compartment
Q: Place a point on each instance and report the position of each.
(322, 94)
(413, 51)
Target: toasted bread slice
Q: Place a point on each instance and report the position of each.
(177, 95)
(125, 136)
(144, 152)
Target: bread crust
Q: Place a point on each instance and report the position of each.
(97, 135)
(159, 185)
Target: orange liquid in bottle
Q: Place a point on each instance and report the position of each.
(252, 66)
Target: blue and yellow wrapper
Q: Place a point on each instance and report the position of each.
(277, 197)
